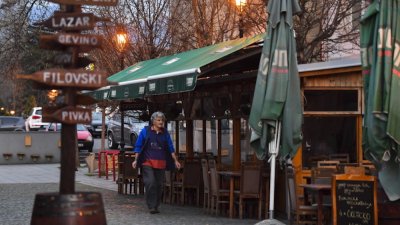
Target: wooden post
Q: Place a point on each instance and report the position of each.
(204, 136)
(189, 138)
(219, 143)
(236, 144)
(177, 137)
(69, 149)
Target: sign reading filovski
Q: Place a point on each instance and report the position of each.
(69, 78)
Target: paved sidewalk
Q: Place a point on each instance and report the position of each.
(20, 183)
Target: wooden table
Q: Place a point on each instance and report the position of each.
(237, 174)
(232, 175)
(113, 153)
(321, 190)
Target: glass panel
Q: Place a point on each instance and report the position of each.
(330, 100)
(172, 131)
(247, 153)
(182, 137)
(226, 142)
(324, 136)
(197, 136)
(211, 137)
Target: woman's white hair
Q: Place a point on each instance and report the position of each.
(156, 115)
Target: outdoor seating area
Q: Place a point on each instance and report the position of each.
(311, 196)
(202, 182)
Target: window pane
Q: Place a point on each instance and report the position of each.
(330, 100)
(328, 135)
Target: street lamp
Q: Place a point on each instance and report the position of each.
(121, 42)
(240, 4)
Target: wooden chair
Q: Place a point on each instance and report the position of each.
(250, 187)
(128, 176)
(206, 184)
(191, 181)
(370, 168)
(167, 193)
(355, 170)
(303, 214)
(219, 195)
(328, 164)
(341, 157)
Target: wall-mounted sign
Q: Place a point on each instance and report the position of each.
(87, 2)
(71, 21)
(67, 115)
(71, 39)
(77, 78)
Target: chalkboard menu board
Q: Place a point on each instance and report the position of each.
(354, 200)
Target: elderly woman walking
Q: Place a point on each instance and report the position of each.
(155, 153)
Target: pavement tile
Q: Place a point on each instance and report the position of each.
(20, 183)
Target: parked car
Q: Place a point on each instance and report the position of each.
(34, 120)
(132, 127)
(12, 123)
(85, 139)
(96, 125)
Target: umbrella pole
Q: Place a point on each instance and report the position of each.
(274, 153)
(272, 187)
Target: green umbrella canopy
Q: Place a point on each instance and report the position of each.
(380, 34)
(277, 95)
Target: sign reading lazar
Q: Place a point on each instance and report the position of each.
(72, 21)
(78, 78)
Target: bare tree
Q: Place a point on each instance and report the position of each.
(163, 27)
(326, 25)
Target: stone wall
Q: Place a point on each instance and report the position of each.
(29, 147)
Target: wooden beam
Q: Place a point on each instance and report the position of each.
(177, 137)
(236, 144)
(189, 138)
(204, 136)
(219, 144)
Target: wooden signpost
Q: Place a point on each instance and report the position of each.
(71, 21)
(71, 39)
(67, 115)
(70, 80)
(77, 78)
(354, 200)
(66, 58)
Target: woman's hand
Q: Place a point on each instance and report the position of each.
(177, 164)
(134, 164)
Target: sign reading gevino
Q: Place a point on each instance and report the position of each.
(87, 2)
(354, 200)
(71, 39)
(77, 78)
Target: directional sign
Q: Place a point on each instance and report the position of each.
(67, 115)
(77, 78)
(72, 39)
(85, 100)
(71, 21)
(66, 60)
(87, 2)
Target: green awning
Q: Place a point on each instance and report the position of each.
(171, 74)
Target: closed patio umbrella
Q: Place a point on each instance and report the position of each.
(276, 112)
(380, 38)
